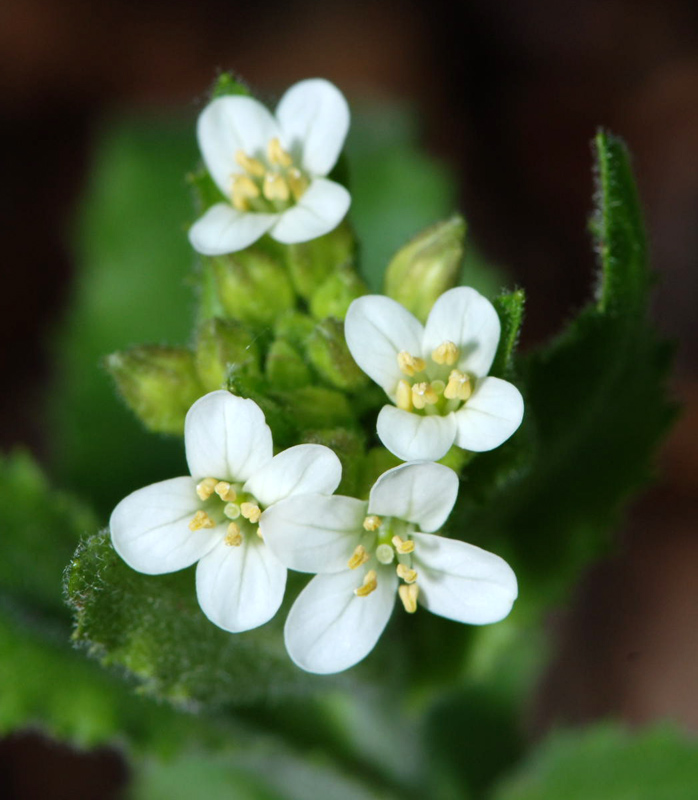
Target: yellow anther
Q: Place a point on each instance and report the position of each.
(445, 353)
(369, 585)
(359, 557)
(275, 187)
(225, 491)
(403, 546)
(233, 537)
(403, 396)
(232, 510)
(408, 575)
(372, 522)
(423, 395)
(251, 511)
(251, 165)
(206, 488)
(277, 155)
(201, 520)
(244, 189)
(459, 386)
(408, 595)
(297, 182)
(409, 364)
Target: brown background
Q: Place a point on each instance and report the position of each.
(511, 94)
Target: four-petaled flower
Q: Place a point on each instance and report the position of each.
(272, 169)
(366, 552)
(217, 516)
(435, 374)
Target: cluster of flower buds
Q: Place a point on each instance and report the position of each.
(288, 347)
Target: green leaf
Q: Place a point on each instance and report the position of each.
(607, 762)
(510, 308)
(41, 528)
(153, 627)
(596, 409)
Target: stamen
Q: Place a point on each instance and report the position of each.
(409, 364)
(458, 387)
(244, 189)
(251, 511)
(423, 395)
(275, 187)
(232, 510)
(224, 490)
(408, 575)
(372, 522)
(408, 595)
(206, 488)
(233, 537)
(404, 396)
(277, 155)
(201, 520)
(249, 164)
(403, 546)
(445, 353)
(359, 557)
(369, 585)
(297, 183)
(385, 553)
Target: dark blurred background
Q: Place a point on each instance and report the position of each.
(510, 95)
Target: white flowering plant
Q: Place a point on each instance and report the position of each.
(335, 516)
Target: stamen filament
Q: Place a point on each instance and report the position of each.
(369, 585)
(206, 488)
(408, 575)
(408, 595)
(403, 546)
(372, 522)
(359, 557)
(201, 520)
(251, 511)
(233, 537)
(445, 353)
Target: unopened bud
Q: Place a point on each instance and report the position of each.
(311, 263)
(285, 367)
(427, 266)
(220, 345)
(159, 384)
(328, 352)
(336, 294)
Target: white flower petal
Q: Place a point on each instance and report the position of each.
(466, 318)
(226, 437)
(303, 469)
(150, 528)
(329, 628)
(314, 533)
(376, 329)
(321, 208)
(421, 492)
(314, 118)
(223, 229)
(462, 582)
(490, 416)
(412, 437)
(240, 588)
(229, 124)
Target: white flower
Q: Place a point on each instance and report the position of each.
(366, 552)
(435, 374)
(272, 169)
(217, 515)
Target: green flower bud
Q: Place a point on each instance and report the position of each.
(427, 266)
(328, 353)
(296, 328)
(220, 344)
(377, 461)
(315, 407)
(349, 446)
(334, 296)
(285, 368)
(311, 263)
(159, 384)
(251, 286)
